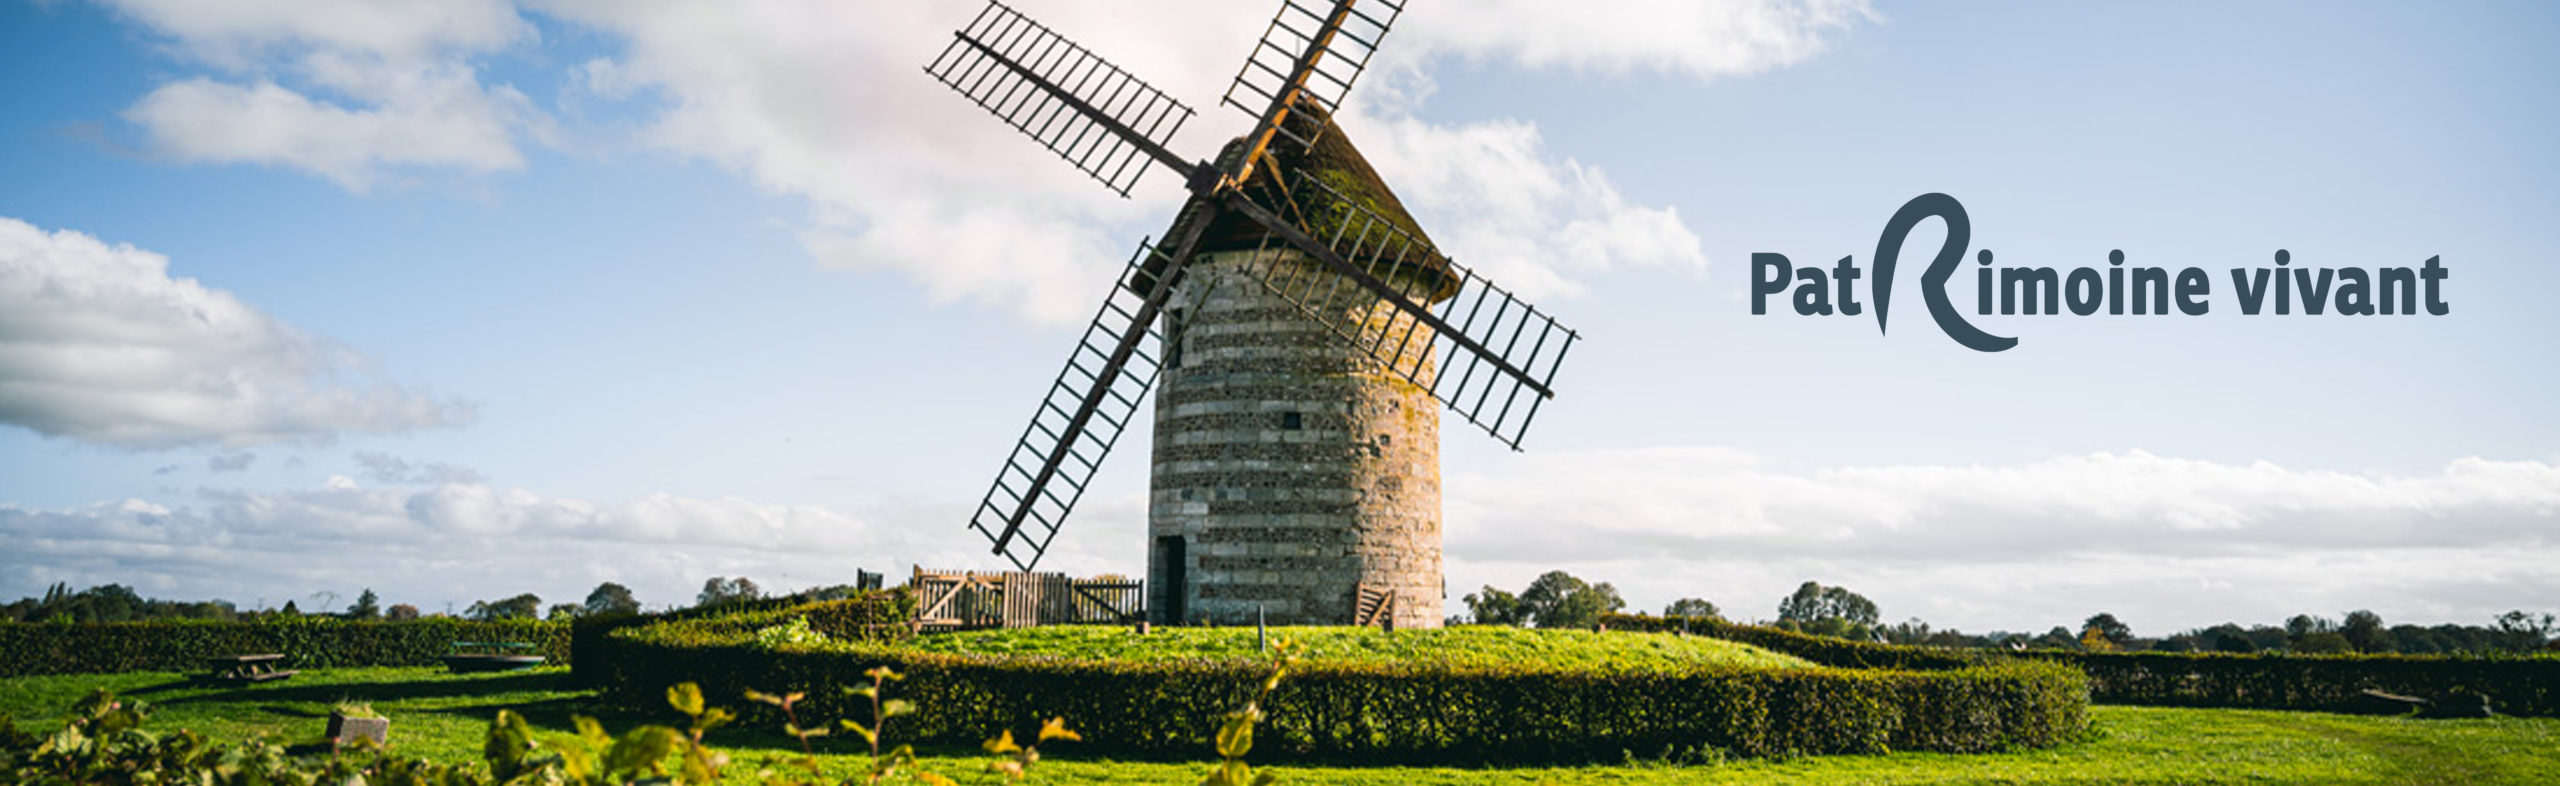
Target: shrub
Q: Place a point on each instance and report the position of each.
(306, 642)
(1824, 650)
(1378, 712)
(2514, 685)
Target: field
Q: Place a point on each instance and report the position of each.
(443, 716)
(1469, 646)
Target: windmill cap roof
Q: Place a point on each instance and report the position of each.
(1334, 161)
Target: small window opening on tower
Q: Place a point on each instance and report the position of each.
(1292, 421)
(1173, 325)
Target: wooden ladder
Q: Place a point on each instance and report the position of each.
(1373, 607)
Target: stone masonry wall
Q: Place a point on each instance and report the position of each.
(1291, 466)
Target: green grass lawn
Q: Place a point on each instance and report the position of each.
(1467, 646)
(443, 716)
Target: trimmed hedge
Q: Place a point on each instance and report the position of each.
(2515, 685)
(1824, 650)
(307, 643)
(1369, 712)
(877, 614)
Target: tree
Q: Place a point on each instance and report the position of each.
(2108, 627)
(1558, 600)
(2301, 625)
(523, 606)
(2324, 642)
(1916, 631)
(1691, 607)
(401, 612)
(1495, 607)
(2523, 632)
(2365, 632)
(2094, 640)
(722, 591)
(289, 610)
(563, 612)
(2059, 638)
(610, 599)
(368, 605)
(1584, 608)
(1813, 603)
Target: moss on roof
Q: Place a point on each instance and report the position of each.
(1335, 162)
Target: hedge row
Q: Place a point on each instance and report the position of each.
(306, 643)
(2513, 685)
(870, 615)
(1824, 650)
(1372, 713)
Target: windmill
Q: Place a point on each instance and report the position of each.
(1297, 314)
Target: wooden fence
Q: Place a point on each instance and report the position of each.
(951, 600)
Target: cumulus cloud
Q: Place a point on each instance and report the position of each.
(387, 468)
(344, 90)
(2171, 542)
(1702, 40)
(2164, 543)
(1488, 196)
(99, 343)
(458, 542)
(825, 101)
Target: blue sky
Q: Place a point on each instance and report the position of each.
(532, 296)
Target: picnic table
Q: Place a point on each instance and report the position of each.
(491, 656)
(248, 668)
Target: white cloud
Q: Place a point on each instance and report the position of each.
(1488, 196)
(2164, 542)
(1702, 40)
(387, 468)
(455, 541)
(100, 343)
(238, 34)
(375, 86)
(827, 101)
(824, 100)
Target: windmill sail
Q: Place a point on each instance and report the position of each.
(1082, 416)
(1309, 56)
(1498, 353)
(1088, 111)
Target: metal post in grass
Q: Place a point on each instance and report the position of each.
(1261, 638)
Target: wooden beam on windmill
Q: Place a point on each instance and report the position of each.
(1111, 125)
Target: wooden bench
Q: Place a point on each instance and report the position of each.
(247, 668)
(491, 656)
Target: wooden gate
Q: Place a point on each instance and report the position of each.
(957, 600)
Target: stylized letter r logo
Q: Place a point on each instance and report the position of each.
(1933, 284)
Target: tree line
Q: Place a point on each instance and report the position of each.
(120, 603)
(1558, 599)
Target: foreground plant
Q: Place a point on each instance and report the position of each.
(1235, 736)
(1014, 760)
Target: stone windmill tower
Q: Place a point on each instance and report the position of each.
(1306, 329)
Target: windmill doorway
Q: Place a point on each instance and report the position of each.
(1170, 587)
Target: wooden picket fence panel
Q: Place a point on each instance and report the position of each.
(964, 600)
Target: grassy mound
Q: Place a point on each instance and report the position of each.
(1449, 696)
(1461, 647)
